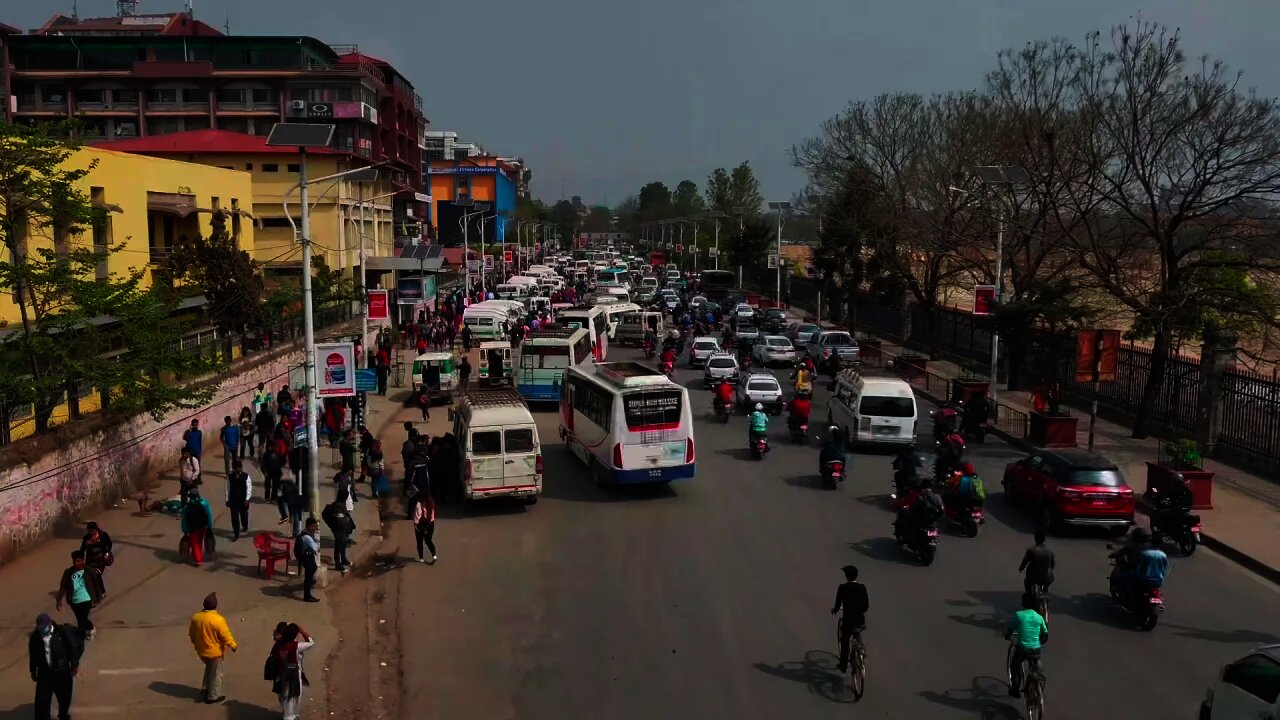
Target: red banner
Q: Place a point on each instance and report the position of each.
(378, 305)
(1097, 350)
(506, 256)
(984, 299)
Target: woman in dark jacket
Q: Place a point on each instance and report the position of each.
(96, 547)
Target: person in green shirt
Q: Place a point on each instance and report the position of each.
(1029, 632)
(759, 423)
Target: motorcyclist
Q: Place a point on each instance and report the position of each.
(851, 596)
(950, 457)
(944, 421)
(976, 412)
(906, 468)
(672, 340)
(724, 394)
(803, 381)
(1029, 633)
(1170, 505)
(668, 357)
(920, 508)
(964, 488)
(833, 449)
(759, 427)
(727, 338)
(798, 411)
(1139, 564)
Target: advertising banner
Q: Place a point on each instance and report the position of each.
(367, 380)
(335, 369)
(378, 304)
(984, 299)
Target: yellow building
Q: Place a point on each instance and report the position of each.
(336, 207)
(151, 203)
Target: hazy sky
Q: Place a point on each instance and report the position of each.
(601, 96)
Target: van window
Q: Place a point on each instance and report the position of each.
(488, 442)
(887, 406)
(519, 440)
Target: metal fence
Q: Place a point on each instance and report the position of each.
(1251, 418)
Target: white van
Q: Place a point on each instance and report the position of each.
(500, 451)
(614, 312)
(487, 322)
(873, 409)
(510, 291)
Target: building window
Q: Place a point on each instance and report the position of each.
(54, 94)
(240, 125)
(294, 168)
(162, 95)
(265, 96)
(462, 186)
(93, 96)
(230, 96)
(195, 95)
(163, 126)
(196, 123)
(122, 96)
(101, 230)
(248, 167)
(270, 167)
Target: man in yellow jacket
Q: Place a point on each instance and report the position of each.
(211, 639)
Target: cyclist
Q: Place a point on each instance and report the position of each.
(759, 424)
(851, 596)
(1038, 564)
(1028, 633)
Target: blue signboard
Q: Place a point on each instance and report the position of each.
(366, 380)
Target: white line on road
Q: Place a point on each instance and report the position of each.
(130, 671)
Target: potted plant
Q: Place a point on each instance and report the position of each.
(1182, 457)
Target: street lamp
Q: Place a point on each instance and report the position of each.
(479, 209)
(716, 216)
(741, 213)
(779, 207)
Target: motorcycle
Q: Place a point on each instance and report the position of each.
(945, 420)
(1182, 528)
(1145, 604)
(722, 410)
(974, 425)
(799, 428)
(667, 367)
(648, 349)
(759, 446)
(969, 519)
(832, 474)
(921, 541)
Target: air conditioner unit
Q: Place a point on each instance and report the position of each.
(297, 107)
(369, 113)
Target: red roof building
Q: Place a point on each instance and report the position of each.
(194, 142)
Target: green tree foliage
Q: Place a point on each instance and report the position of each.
(598, 220)
(733, 192)
(686, 202)
(747, 246)
(330, 286)
(227, 276)
(565, 216)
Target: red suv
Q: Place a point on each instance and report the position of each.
(1071, 487)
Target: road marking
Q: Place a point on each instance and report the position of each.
(130, 671)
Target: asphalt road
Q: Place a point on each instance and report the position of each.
(711, 598)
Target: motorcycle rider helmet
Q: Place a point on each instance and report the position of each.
(759, 407)
(834, 430)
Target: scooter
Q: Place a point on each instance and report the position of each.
(722, 410)
(1182, 528)
(648, 349)
(799, 429)
(968, 519)
(832, 474)
(759, 446)
(667, 367)
(922, 542)
(1145, 604)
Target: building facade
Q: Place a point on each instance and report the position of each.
(456, 185)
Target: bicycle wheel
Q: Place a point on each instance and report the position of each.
(1008, 665)
(858, 669)
(1035, 699)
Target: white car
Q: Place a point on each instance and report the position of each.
(1246, 689)
(743, 311)
(720, 366)
(701, 349)
(774, 349)
(760, 388)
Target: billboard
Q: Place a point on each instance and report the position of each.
(335, 369)
(984, 299)
(378, 305)
(1097, 350)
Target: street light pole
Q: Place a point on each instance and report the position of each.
(780, 207)
(309, 340)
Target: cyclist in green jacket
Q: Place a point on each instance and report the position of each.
(1028, 632)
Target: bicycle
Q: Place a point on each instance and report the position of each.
(1042, 600)
(1032, 684)
(857, 661)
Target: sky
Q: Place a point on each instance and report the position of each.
(603, 96)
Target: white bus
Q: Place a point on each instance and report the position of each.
(628, 423)
(594, 321)
(545, 355)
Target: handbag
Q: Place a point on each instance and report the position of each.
(271, 668)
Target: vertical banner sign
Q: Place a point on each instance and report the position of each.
(1109, 363)
(488, 262)
(506, 256)
(984, 299)
(378, 305)
(1099, 350)
(1086, 354)
(335, 369)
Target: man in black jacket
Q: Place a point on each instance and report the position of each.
(54, 652)
(851, 597)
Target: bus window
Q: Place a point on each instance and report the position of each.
(582, 350)
(652, 409)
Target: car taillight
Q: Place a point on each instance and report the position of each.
(1069, 493)
(688, 451)
(617, 455)
(537, 464)
(837, 468)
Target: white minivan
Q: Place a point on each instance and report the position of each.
(500, 452)
(486, 322)
(873, 409)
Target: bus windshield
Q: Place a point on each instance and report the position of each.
(548, 356)
(652, 409)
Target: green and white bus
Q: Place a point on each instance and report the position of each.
(545, 355)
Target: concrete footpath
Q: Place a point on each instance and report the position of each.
(1244, 523)
(141, 665)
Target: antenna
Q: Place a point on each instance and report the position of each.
(75, 9)
(226, 25)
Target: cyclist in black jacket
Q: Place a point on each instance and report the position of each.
(851, 597)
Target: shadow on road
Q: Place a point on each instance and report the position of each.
(238, 710)
(817, 671)
(174, 690)
(21, 712)
(808, 482)
(740, 453)
(877, 500)
(1252, 637)
(880, 548)
(986, 697)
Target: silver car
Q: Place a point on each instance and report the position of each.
(760, 388)
(702, 348)
(833, 342)
(802, 333)
(720, 366)
(747, 333)
(774, 349)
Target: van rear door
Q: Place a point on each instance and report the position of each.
(484, 451)
(520, 460)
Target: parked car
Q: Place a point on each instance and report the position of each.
(1070, 487)
(775, 319)
(774, 349)
(801, 333)
(1246, 688)
(825, 343)
(760, 388)
(702, 348)
(721, 365)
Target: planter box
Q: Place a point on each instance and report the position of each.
(870, 350)
(1200, 482)
(965, 389)
(912, 367)
(1052, 431)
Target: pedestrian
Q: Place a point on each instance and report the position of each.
(345, 488)
(193, 440)
(246, 433)
(347, 451)
(378, 483)
(261, 398)
(306, 550)
(266, 424)
(342, 525)
(290, 676)
(466, 338)
(230, 437)
(424, 402)
(197, 519)
(188, 474)
(383, 371)
(238, 494)
(464, 372)
(289, 502)
(53, 653)
(406, 447)
(272, 464)
(366, 445)
(424, 524)
(211, 639)
(417, 473)
(82, 588)
(96, 546)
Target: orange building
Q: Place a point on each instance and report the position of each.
(455, 185)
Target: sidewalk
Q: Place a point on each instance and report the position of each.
(1244, 523)
(141, 665)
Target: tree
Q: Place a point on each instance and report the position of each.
(330, 286)
(734, 192)
(565, 216)
(61, 344)
(598, 220)
(685, 200)
(228, 277)
(747, 246)
(655, 202)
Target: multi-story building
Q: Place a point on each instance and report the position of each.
(134, 76)
(457, 184)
